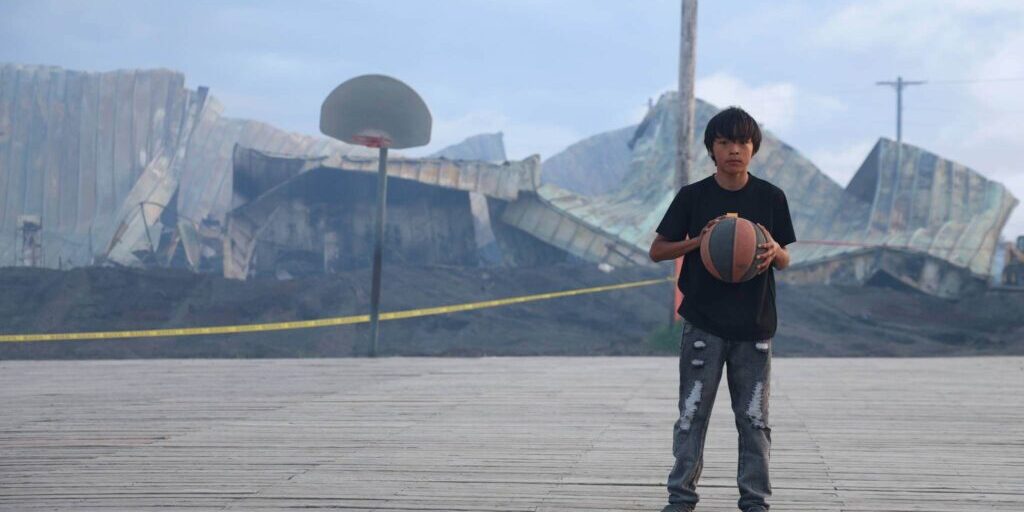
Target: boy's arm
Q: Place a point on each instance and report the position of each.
(774, 254)
(664, 249)
(784, 234)
(781, 260)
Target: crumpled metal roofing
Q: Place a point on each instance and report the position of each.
(74, 144)
(260, 177)
(932, 206)
(626, 218)
(83, 149)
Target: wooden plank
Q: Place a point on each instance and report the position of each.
(502, 434)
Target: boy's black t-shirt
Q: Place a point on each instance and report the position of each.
(734, 311)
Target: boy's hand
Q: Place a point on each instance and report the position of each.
(711, 224)
(771, 250)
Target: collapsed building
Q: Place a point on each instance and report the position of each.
(122, 166)
(132, 168)
(1011, 264)
(315, 214)
(933, 225)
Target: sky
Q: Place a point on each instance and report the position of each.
(549, 73)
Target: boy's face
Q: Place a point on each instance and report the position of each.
(732, 157)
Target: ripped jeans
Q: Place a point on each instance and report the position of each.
(700, 369)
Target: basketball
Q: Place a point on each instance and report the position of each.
(730, 248)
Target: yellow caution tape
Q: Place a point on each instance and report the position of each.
(322, 322)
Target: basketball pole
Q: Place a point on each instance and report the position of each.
(378, 246)
(382, 112)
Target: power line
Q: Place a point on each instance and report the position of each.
(976, 81)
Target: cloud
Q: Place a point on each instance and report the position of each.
(842, 161)
(936, 31)
(939, 40)
(990, 138)
(522, 138)
(999, 104)
(775, 105)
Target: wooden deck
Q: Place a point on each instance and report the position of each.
(497, 434)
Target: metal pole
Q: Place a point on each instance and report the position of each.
(382, 188)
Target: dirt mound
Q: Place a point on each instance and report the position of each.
(815, 320)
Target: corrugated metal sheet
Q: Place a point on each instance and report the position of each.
(153, 191)
(259, 175)
(75, 146)
(628, 216)
(932, 206)
(72, 145)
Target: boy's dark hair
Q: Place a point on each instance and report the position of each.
(734, 124)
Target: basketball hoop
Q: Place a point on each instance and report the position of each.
(376, 111)
(372, 138)
(372, 141)
(381, 112)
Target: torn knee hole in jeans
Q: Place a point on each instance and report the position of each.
(755, 407)
(690, 407)
(762, 346)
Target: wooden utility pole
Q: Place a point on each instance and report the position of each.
(684, 127)
(899, 84)
(687, 59)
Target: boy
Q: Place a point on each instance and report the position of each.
(725, 322)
